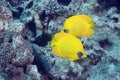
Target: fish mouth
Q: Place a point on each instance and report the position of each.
(84, 56)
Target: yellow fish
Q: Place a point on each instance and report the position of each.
(67, 46)
(79, 26)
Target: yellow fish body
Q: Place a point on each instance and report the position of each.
(79, 26)
(67, 46)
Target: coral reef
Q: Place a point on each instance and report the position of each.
(27, 27)
(111, 3)
(5, 17)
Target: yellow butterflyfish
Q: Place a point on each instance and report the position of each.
(79, 26)
(67, 46)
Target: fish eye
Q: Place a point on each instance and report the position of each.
(79, 54)
(66, 30)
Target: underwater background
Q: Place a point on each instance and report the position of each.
(27, 27)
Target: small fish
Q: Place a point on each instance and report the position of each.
(79, 26)
(67, 46)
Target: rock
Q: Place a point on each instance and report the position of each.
(5, 17)
(32, 73)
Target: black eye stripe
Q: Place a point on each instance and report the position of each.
(79, 54)
(66, 30)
